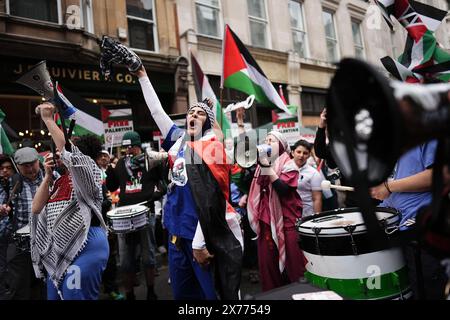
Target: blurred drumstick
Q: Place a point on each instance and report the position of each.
(12, 196)
(326, 185)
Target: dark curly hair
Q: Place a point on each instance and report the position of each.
(89, 145)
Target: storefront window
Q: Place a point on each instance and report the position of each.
(141, 24)
(44, 10)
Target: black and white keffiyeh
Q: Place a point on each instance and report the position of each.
(113, 52)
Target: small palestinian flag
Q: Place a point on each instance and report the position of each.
(5, 145)
(87, 116)
(204, 90)
(242, 73)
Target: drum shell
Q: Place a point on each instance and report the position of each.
(343, 258)
(127, 223)
(21, 239)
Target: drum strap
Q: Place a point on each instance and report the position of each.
(376, 234)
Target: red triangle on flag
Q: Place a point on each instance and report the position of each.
(232, 58)
(105, 114)
(275, 116)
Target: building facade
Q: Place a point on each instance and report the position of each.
(296, 42)
(65, 33)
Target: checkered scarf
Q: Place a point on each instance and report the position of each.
(209, 112)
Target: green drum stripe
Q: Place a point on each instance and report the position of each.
(390, 285)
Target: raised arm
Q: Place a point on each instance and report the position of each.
(161, 118)
(46, 111)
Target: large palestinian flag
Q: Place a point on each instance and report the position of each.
(421, 50)
(204, 90)
(87, 116)
(5, 145)
(242, 73)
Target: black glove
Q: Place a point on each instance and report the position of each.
(113, 52)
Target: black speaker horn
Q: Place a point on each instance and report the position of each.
(379, 119)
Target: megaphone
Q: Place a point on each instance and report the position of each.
(39, 80)
(378, 120)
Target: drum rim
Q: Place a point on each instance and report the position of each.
(394, 211)
(113, 216)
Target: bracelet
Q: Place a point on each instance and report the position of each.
(387, 187)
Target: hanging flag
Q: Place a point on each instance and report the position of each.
(5, 145)
(421, 50)
(241, 72)
(204, 90)
(87, 116)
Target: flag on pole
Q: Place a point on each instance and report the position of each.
(5, 145)
(204, 90)
(87, 116)
(241, 72)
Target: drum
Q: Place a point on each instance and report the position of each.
(22, 238)
(341, 257)
(128, 219)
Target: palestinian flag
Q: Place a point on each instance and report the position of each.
(204, 90)
(242, 73)
(421, 50)
(5, 145)
(411, 11)
(87, 116)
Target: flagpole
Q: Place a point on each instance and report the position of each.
(221, 104)
(112, 144)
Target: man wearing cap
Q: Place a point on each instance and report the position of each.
(137, 182)
(19, 272)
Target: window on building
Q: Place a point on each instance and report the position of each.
(141, 24)
(208, 17)
(298, 28)
(258, 22)
(313, 101)
(86, 15)
(331, 37)
(44, 10)
(358, 40)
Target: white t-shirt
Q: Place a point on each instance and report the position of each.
(309, 180)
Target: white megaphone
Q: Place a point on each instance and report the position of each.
(243, 104)
(39, 80)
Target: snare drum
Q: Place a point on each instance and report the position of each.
(128, 219)
(22, 238)
(341, 257)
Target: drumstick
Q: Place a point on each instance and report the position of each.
(326, 185)
(13, 193)
(12, 196)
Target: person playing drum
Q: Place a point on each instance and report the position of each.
(68, 233)
(137, 182)
(273, 208)
(16, 273)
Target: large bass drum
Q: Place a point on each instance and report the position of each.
(342, 258)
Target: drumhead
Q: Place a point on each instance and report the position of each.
(335, 221)
(126, 211)
(24, 230)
